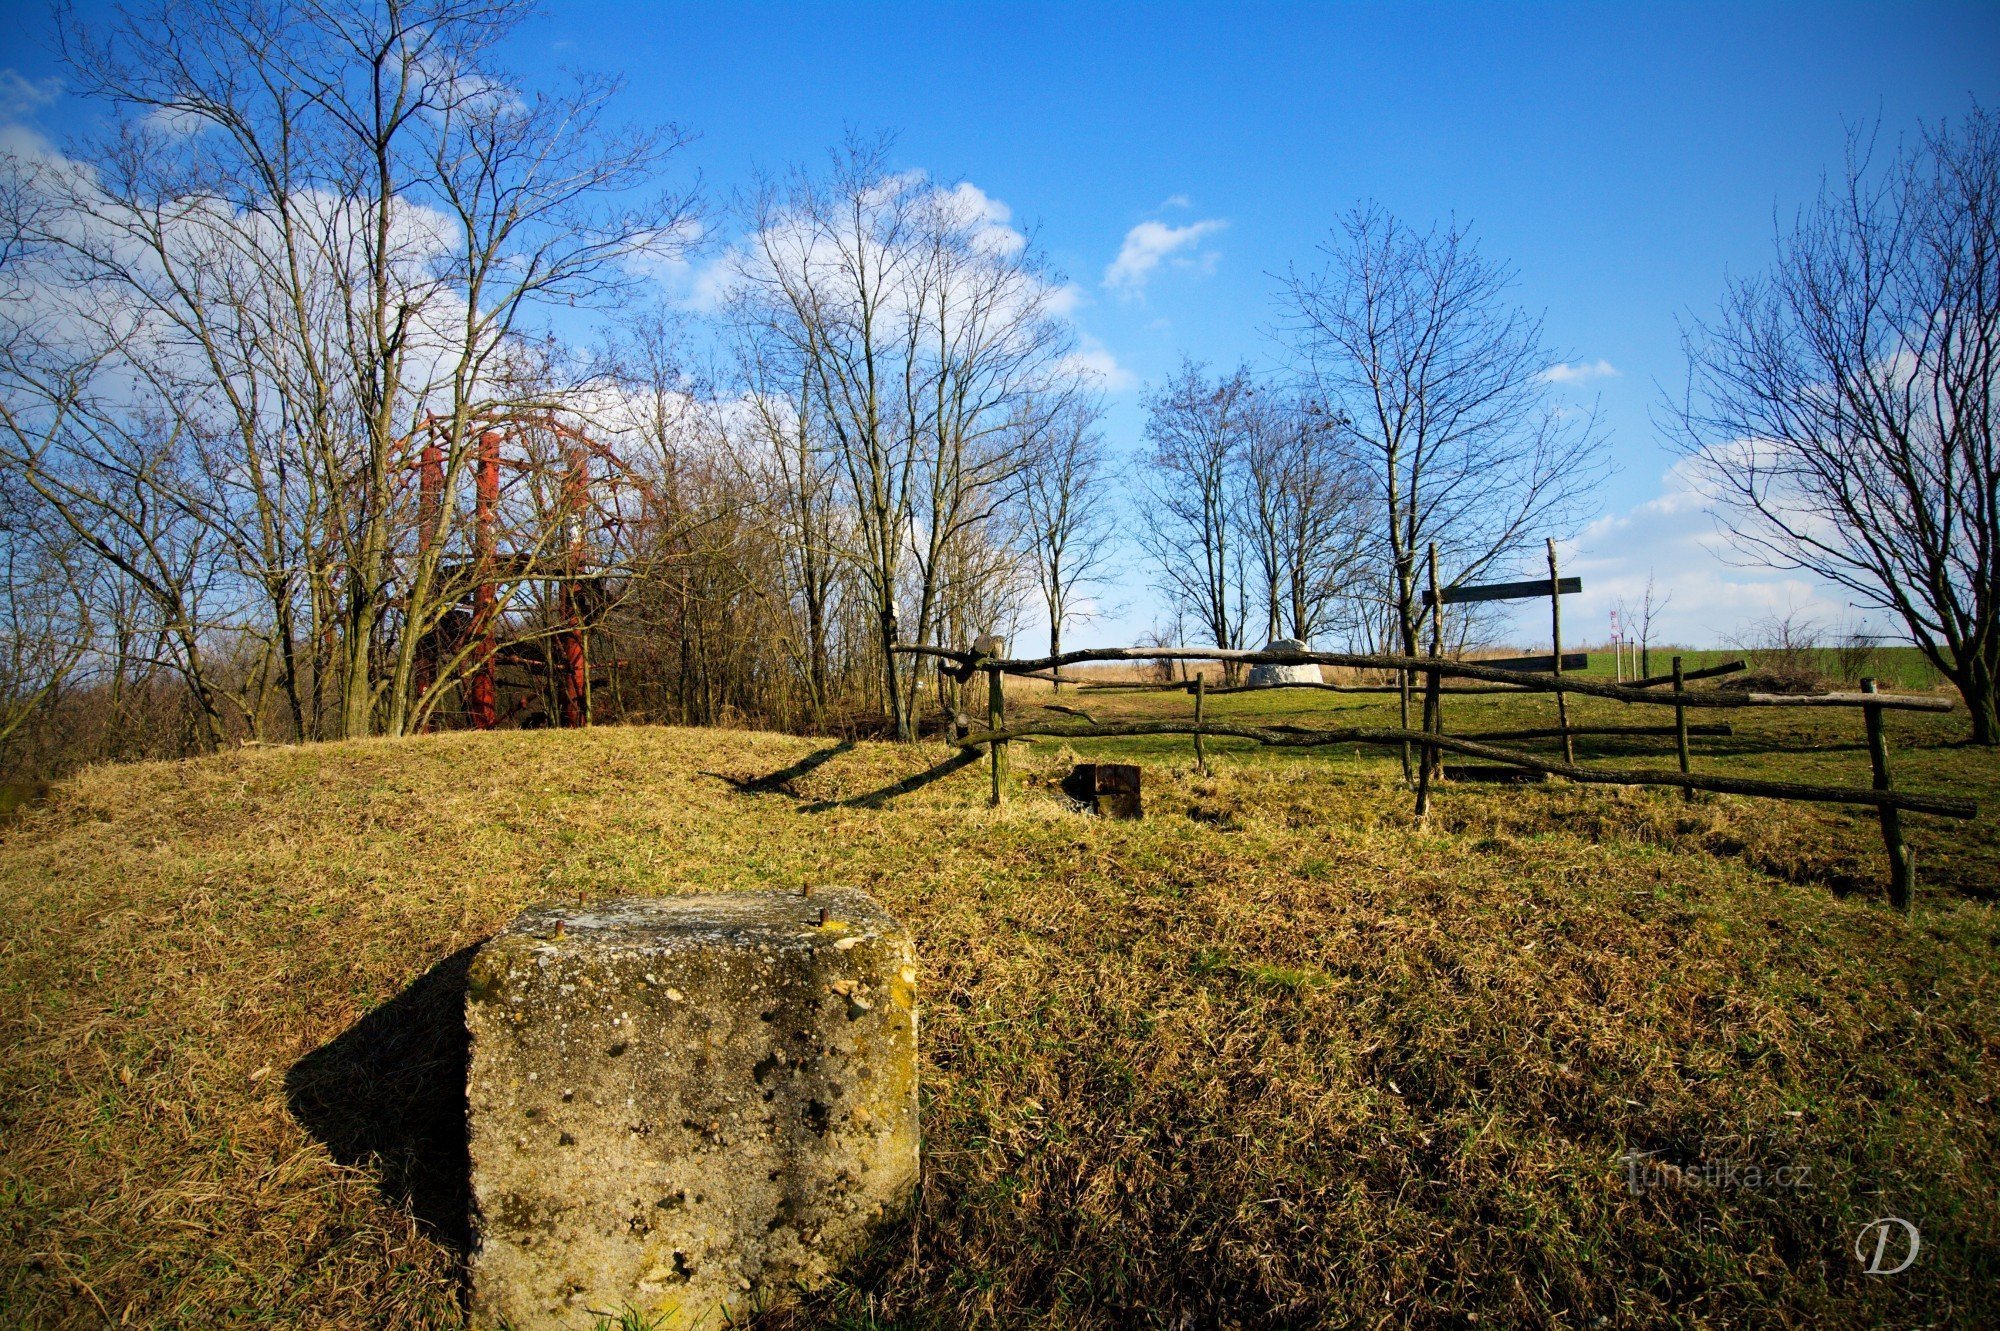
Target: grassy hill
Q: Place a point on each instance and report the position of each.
(1271, 1057)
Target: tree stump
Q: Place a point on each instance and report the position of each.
(1110, 789)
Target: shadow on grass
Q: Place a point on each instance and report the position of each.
(875, 799)
(388, 1095)
(780, 782)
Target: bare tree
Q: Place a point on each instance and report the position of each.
(831, 277)
(1301, 513)
(1650, 606)
(321, 231)
(1841, 407)
(1198, 430)
(47, 626)
(923, 329)
(1443, 386)
(1067, 515)
(783, 447)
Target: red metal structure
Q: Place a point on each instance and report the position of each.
(478, 625)
(482, 693)
(573, 671)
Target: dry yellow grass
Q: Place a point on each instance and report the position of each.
(1270, 1058)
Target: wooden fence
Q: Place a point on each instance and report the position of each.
(1432, 741)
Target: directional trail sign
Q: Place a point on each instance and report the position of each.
(1506, 591)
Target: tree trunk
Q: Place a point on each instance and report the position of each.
(1976, 686)
(892, 679)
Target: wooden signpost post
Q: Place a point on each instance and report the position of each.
(1555, 588)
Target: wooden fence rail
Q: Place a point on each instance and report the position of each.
(970, 662)
(1431, 741)
(1947, 806)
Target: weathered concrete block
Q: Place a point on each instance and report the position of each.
(686, 1106)
(1265, 675)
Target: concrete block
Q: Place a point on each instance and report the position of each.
(688, 1107)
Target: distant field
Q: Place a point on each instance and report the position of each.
(1894, 667)
(1270, 1058)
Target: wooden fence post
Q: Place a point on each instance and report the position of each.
(1901, 875)
(1434, 703)
(996, 719)
(1681, 727)
(1402, 673)
(1432, 758)
(1556, 647)
(1200, 693)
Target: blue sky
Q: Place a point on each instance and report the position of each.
(1624, 158)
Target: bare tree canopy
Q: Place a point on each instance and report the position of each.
(1301, 510)
(921, 329)
(313, 242)
(1198, 430)
(1253, 507)
(1839, 408)
(1066, 516)
(1441, 384)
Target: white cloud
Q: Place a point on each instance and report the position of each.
(984, 220)
(1580, 372)
(987, 221)
(1150, 244)
(1093, 360)
(22, 97)
(663, 255)
(175, 122)
(1175, 201)
(1715, 596)
(1063, 301)
(987, 217)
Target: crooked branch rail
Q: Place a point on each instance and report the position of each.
(1523, 681)
(1185, 686)
(1287, 737)
(1706, 672)
(1889, 804)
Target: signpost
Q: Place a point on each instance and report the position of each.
(1555, 588)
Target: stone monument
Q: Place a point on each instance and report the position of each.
(1263, 676)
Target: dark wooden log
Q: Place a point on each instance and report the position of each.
(1432, 757)
(1200, 696)
(1268, 688)
(1556, 648)
(1497, 776)
(1944, 806)
(1718, 729)
(1902, 875)
(1505, 591)
(996, 719)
